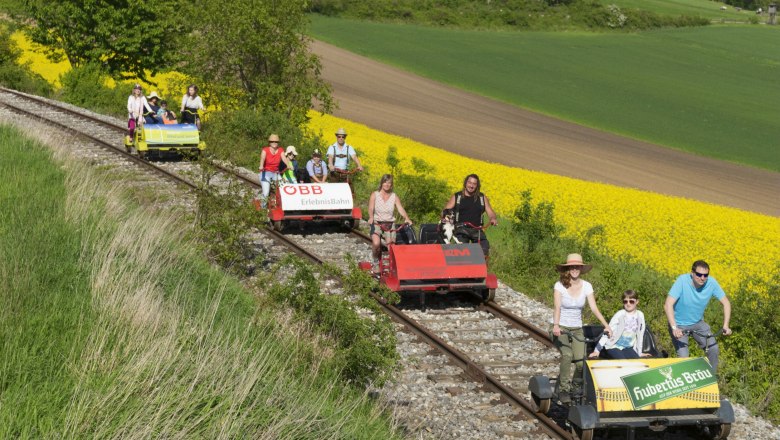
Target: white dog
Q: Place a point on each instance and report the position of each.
(447, 227)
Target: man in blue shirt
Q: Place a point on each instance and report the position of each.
(685, 306)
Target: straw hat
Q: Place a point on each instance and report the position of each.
(153, 95)
(341, 131)
(574, 260)
(291, 149)
(273, 138)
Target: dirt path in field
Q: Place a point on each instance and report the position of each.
(401, 103)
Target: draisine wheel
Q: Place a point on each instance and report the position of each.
(488, 295)
(278, 225)
(582, 434)
(542, 405)
(719, 432)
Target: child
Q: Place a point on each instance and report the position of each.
(628, 327)
(167, 116)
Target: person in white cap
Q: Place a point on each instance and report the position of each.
(289, 173)
(339, 155)
(569, 295)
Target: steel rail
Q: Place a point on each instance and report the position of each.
(472, 369)
(101, 143)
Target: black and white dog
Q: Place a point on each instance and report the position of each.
(447, 227)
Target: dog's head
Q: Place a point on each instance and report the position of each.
(448, 216)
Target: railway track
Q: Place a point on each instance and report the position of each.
(496, 351)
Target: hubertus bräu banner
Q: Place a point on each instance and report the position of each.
(649, 384)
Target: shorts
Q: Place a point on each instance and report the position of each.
(388, 236)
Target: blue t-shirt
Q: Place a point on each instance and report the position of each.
(691, 302)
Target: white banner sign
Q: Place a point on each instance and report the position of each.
(316, 196)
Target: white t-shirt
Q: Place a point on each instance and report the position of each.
(571, 308)
(341, 159)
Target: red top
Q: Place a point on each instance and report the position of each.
(272, 160)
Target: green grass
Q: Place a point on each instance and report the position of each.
(113, 326)
(703, 8)
(695, 89)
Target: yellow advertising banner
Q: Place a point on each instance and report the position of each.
(653, 384)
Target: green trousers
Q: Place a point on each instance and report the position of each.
(572, 351)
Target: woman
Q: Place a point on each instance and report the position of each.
(151, 109)
(570, 294)
(381, 209)
(270, 158)
(192, 103)
(135, 110)
(316, 168)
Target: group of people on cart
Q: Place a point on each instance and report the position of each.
(152, 109)
(623, 335)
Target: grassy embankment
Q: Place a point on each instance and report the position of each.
(113, 326)
(693, 89)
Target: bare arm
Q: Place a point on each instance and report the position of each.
(669, 310)
(401, 209)
(371, 202)
(262, 160)
(451, 203)
(330, 162)
(556, 312)
(726, 314)
(357, 161)
(491, 214)
(595, 309)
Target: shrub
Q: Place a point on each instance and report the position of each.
(423, 196)
(85, 86)
(364, 346)
(237, 136)
(15, 76)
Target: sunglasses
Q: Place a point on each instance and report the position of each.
(629, 301)
(341, 136)
(273, 142)
(701, 275)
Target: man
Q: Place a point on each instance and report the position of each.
(339, 155)
(469, 206)
(685, 306)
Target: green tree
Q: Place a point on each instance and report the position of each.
(127, 38)
(255, 54)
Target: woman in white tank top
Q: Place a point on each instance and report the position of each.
(570, 294)
(381, 213)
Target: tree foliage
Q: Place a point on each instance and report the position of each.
(127, 38)
(256, 55)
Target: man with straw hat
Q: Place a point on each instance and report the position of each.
(339, 154)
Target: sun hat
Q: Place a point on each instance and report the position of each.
(574, 260)
(153, 95)
(341, 131)
(273, 138)
(291, 149)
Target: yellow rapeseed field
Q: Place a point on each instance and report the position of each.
(663, 232)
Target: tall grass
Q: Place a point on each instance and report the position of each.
(113, 327)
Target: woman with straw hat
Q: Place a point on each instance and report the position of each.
(270, 158)
(570, 293)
